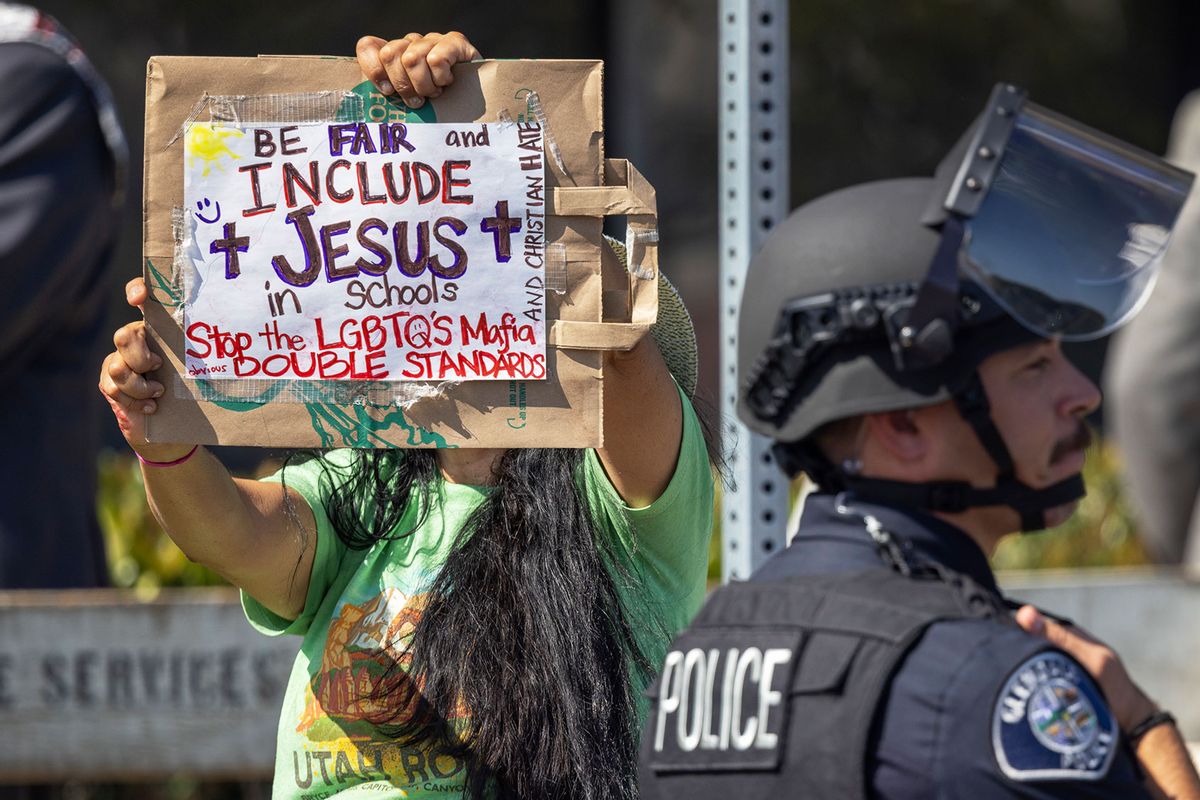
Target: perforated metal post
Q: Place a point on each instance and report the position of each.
(754, 197)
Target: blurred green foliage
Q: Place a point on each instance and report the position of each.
(1102, 533)
(140, 555)
(714, 544)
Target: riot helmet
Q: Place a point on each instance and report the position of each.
(888, 295)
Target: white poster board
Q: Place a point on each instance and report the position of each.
(364, 251)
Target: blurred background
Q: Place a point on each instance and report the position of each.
(878, 89)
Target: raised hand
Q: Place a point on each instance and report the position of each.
(125, 385)
(415, 67)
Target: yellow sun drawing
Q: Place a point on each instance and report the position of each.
(208, 144)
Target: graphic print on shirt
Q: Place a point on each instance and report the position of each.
(361, 684)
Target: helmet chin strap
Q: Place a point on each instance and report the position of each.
(956, 496)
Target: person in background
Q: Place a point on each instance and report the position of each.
(62, 162)
(475, 621)
(1152, 380)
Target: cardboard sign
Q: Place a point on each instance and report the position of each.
(485, 386)
(364, 251)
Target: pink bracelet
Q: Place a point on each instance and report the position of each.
(179, 460)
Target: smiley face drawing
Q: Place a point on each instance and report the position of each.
(203, 204)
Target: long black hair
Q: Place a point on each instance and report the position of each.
(524, 631)
(524, 638)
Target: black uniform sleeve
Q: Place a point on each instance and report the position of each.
(1024, 720)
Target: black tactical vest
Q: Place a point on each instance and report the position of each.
(773, 690)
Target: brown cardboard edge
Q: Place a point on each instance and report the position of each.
(155, 70)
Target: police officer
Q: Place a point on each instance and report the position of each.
(901, 342)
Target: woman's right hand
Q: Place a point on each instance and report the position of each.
(125, 385)
(414, 67)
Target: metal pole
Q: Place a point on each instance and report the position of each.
(754, 197)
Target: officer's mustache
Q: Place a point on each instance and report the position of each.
(1081, 439)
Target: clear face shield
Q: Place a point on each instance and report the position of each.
(1063, 226)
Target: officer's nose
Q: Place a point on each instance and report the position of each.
(1080, 396)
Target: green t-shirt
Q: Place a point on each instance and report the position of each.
(363, 601)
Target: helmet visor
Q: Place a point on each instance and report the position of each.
(1069, 237)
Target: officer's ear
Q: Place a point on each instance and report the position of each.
(899, 436)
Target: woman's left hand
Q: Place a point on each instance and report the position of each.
(415, 67)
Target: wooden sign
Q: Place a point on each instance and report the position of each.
(95, 685)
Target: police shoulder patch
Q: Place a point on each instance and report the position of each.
(1051, 722)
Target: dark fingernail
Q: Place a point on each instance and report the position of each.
(155, 362)
(415, 102)
(435, 93)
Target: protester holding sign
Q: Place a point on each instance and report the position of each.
(475, 619)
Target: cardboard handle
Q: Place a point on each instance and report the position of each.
(578, 335)
(631, 195)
